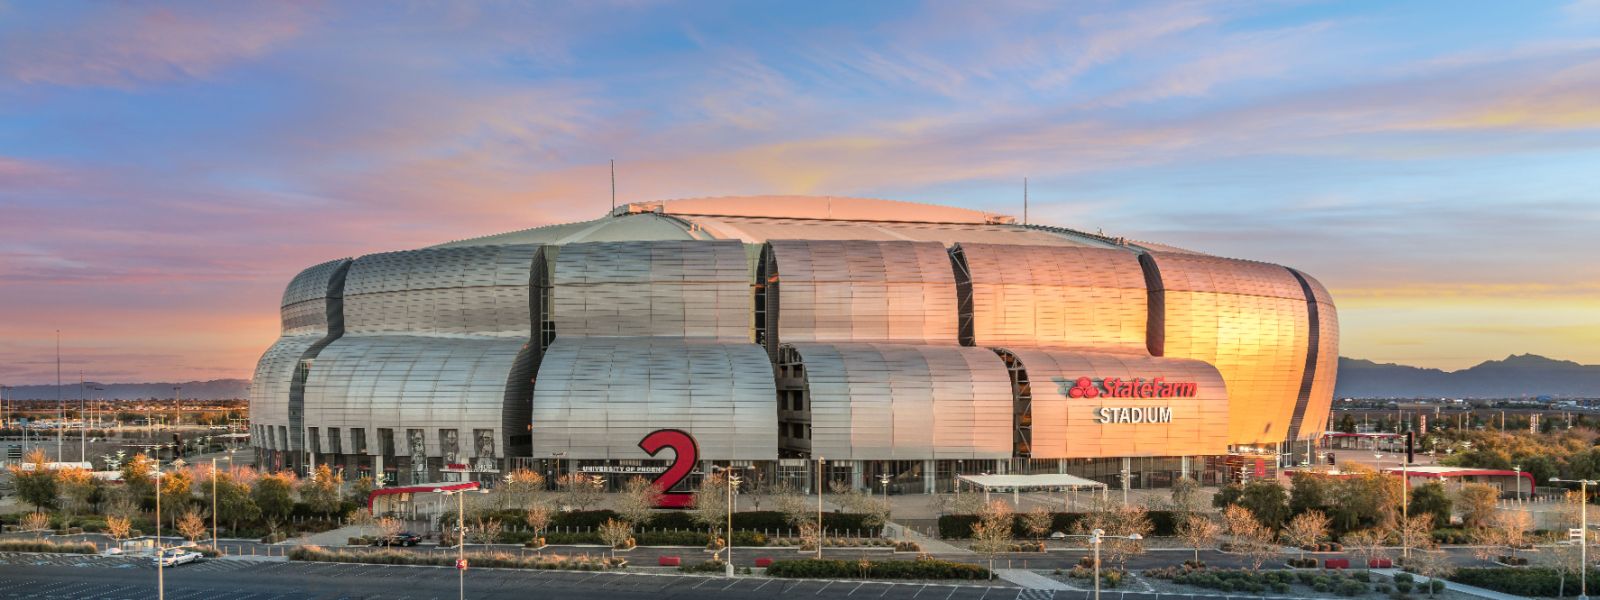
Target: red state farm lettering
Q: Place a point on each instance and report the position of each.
(1116, 387)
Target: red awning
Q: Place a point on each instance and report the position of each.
(421, 489)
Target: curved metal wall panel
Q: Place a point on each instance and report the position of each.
(852, 290)
(471, 290)
(1249, 320)
(411, 382)
(906, 402)
(311, 314)
(1315, 420)
(664, 288)
(597, 397)
(1056, 296)
(1067, 427)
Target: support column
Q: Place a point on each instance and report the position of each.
(856, 467)
(1185, 467)
(930, 476)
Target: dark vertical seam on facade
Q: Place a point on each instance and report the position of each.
(1155, 328)
(1310, 374)
(516, 412)
(966, 334)
(334, 313)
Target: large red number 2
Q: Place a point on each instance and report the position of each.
(687, 451)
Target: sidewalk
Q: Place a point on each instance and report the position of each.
(1030, 580)
(929, 544)
(1459, 587)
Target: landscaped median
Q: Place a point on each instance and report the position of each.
(499, 560)
(45, 546)
(922, 568)
(1524, 581)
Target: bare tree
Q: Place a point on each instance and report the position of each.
(37, 522)
(1250, 537)
(1367, 545)
(580, 490)
(991, 535)
(1199, 531)
(522, 489)
(539, 519)
(711, 504)
(1037, 521)
(615, 534)
(389, 528)
(191, 525)
(638, 502)
(487, 531)
(1306, 529)
(1185, 498)
(118, 527)
(1431, 563)
(1514, 526)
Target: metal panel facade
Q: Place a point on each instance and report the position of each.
(864, 291)
(1056, 296)
(1069, 427)
(309, 303)
(688, 289)
(596, 397)
(1315, 420)
(1249, 320)
(913, 402)
(431, 340)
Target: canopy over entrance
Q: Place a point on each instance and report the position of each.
(1045, 481)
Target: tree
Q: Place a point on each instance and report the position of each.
(191, 525)
(711, 502)
(1198, 531)
(1347, 424)
(1513, 526)
(1185, 499)
(176, 493)
(360, 490)
(539, 519)
(79, 490)
(1306, 529)
(1365, 499)
(1267, 500)
(991, 535)
(580, 490)
(274, 496)
(1037, 521)
(1432, 500)
(1431, 563)
(1367, 545)
(794, 506)
(1309, 491)
(234, 503)
(1479, 503)
(118, 527)
(138, 479)
(1415, 531)
(1250, 536)
(1127, 521)
(638, 502)
(321, 492)
(522, 489)
(487, 531)
(615, 534)
(36, 482)
(390, 527)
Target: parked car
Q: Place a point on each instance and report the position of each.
(404, 538)
(172, 557)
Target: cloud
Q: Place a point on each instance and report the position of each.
(132, 44)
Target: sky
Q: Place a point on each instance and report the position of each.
(166, 168)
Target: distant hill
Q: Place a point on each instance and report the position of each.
(1518, 376)
(216, 389)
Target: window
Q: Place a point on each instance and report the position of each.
(358, 440)
(335, 445)
(316, 442)
(386, 442)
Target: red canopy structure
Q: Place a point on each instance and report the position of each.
(421, 489)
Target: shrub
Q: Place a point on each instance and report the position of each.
(492, 560)
(707, 566)
(888, 569)
(45, 546)
(1403, 587)
(907, 546)
(1352, 588)
(1162, 522)
(1404, 577)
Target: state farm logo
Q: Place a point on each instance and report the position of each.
(1083, 388)
(1138, 387)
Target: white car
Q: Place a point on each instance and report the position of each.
(173, 557)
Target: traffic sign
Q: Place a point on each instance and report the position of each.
(1575, 534)
(461, 563)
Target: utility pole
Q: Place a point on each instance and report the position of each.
(83, 434)
(61, 410)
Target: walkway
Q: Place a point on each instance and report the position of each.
(1458, 587)
(895, 531)
(1030, 580)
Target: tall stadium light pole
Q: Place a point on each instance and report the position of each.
(1583, 552)
(161, 549)
(83, 433)
(461, 537)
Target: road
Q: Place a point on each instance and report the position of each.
(75, 577)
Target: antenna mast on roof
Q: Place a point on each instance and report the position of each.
(613, 185)
(1024, 200)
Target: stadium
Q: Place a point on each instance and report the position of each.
(906, 344)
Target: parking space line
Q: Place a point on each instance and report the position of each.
(824, 586)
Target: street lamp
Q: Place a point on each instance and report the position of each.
(733, 482)
(1518, 481)
(820, 462)
(1095, 539)
(461, 533)
(1583, 486)
(161, 548)
(214, 542)
(883, 480)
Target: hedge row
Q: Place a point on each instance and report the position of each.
(887, 569)
(769, 521)
(1164, 523)
(500, 560)
(644, 538)
(44, 546)
(1523, 581)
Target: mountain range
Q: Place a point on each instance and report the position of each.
(1517, 376)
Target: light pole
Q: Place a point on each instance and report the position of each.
(733, 482)
(461, 537)
(161, 549)
(1583, 552)
(214, 542)
(1518, 481)
(820, 462)
(883, 480)
(1095, 538)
